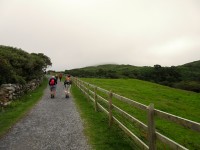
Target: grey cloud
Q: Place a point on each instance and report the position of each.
(75, 33)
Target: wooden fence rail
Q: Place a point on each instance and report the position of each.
(153, 135)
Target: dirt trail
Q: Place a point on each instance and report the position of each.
(53, 124)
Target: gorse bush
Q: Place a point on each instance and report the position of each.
(18, 66)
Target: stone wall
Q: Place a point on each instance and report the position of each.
(10, 92)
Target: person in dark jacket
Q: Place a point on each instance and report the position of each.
(56, 76)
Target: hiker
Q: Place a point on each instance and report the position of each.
(56, 76)
(67, 85)
(60, 76)
(52, 84)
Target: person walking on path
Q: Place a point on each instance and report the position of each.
(67, 85)
(60, 76)
(52, 84)
(56, 76)
(50, 125)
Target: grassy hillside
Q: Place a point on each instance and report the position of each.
(193, 65)
(185, 77)
(178, 102)
(190, 71)
(102, 71)
(110, 67)
(168, 99)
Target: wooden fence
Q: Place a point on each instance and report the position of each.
(153, 135)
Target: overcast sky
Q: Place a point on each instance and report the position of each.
(79, 33)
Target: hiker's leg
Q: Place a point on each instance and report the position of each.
(54, 90)
(66, 90)
(51, 91)
(69, 88)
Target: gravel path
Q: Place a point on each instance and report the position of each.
(53, 124)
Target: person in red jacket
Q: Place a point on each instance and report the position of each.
(52, 84)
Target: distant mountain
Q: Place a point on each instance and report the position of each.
(185, 76)
(115, 67)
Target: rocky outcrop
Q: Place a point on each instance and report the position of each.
(10, 92)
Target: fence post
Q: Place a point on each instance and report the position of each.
(151, 128)
(76, 81)
(110, 108)
(95, 98)
(79, 84)
(87, 91)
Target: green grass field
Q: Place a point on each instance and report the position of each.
(178, 102)
(18, 108)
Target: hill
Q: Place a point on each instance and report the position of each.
(190, 71)
(195, 64)
(185, 76)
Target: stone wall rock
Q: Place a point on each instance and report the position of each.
(10, 92)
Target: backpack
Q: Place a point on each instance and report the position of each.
(52, 82)
(67, 81)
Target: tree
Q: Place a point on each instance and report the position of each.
(18, 66)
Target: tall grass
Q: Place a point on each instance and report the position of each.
(18, 108)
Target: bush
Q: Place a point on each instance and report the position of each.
(18, 66)
(188, 85)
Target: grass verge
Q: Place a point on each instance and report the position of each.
(96, 127)
(19, 108)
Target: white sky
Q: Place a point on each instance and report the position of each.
(79, 33)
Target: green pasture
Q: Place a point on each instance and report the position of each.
(178, 102)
